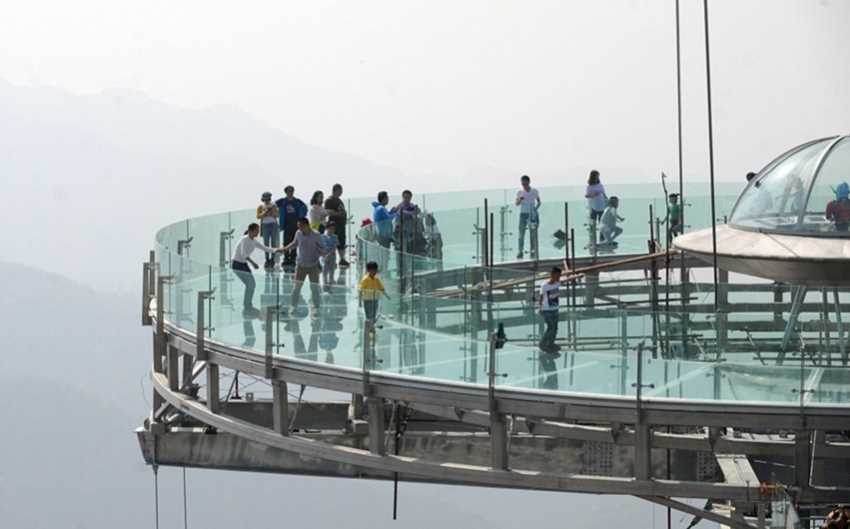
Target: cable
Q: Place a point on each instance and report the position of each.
(155, 469)
(711, 153)
(185, 503)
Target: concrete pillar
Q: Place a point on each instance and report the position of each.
(377, 425)
(213, 401)
(173, 366)
(498, 441)
(188, 367)
(280, 407)
(802, 458)
(643, 451)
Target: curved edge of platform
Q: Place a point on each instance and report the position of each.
(519, 401)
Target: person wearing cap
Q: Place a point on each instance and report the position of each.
(838, 210)
(242, 258)
(291, 209)
(267, 214)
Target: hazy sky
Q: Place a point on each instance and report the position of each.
(466, 89)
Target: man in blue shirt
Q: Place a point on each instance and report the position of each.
(291, 209)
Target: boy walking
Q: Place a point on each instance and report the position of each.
(330, 242)
(371, 289)
(548, 302)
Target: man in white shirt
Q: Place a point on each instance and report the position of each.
(239, 263)
(528, 200)
(548, 302)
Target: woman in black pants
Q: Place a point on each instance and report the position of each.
(242, 257)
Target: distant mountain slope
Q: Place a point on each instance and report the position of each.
(58, 330)
(86, 180)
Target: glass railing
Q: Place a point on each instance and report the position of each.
(442, 311)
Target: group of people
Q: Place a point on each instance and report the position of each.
(406, 226)
(312, 239)
(282, 216)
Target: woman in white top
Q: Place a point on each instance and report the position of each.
(595, 195)
(242, 257)
(317, 215)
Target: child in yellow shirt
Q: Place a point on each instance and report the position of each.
(371, 289)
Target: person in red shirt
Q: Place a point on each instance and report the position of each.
(838, 211)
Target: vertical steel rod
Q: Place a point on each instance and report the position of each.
(710, 150)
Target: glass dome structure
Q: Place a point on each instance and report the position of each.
(798, 192)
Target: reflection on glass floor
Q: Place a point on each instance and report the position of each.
(414, 338)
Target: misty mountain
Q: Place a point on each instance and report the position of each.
(87, 179)
(73, 363)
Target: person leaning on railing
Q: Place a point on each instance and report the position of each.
(240, 261)
(383, 219)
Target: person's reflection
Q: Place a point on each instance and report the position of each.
(248, 331)
(333, 312)
(302, 350)
(548, 371)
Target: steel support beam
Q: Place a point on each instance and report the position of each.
(796, 303)
(696, 511)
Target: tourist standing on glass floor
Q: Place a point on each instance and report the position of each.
(548, 303)
(528, 200)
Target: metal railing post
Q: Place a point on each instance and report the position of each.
(643, 432)
(271, 315)
(159, 339)
(200, 328)
(498, 425)
(146, 300)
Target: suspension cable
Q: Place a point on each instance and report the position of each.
(155, 468)
(185, 503)
(711, 153)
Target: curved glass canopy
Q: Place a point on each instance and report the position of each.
(800, 193)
